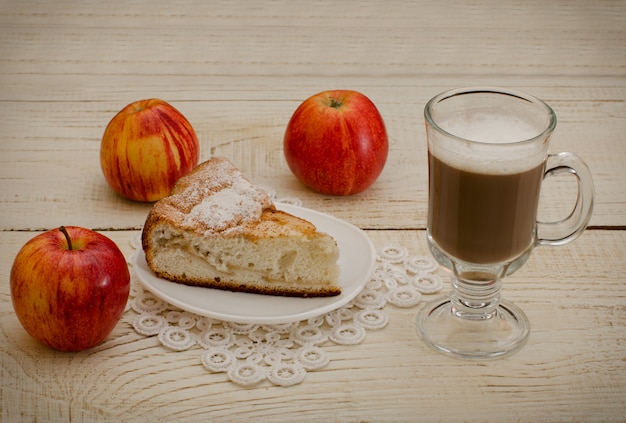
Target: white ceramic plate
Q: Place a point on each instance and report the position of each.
(357, 261)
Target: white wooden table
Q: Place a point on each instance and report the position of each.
(238, 70)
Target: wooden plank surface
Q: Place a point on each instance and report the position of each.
(281, 38)
(573, 367)
(58, 146)
(238, 70)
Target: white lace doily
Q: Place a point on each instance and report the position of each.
(283, 354)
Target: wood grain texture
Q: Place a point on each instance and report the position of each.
(572, 369)
(237, 70)
(50, 159)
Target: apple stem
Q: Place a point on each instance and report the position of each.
(67, 237)
(334, 103)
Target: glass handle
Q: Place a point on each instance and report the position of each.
(568, 229)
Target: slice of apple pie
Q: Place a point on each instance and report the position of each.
(217, 230)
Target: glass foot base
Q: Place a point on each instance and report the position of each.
(503, 333)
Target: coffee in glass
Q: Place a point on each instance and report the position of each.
(487, 157)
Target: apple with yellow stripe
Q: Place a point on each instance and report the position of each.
(146, 148)
(69, 287)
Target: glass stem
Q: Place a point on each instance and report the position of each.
(475, 294)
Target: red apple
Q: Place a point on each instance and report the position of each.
(336, 142)
(69, 287)
(146, 148)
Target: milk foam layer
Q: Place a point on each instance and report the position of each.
(489, 128)
(498, 146)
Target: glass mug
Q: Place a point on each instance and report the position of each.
(487, 157)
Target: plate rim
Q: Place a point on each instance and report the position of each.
(333, 302)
